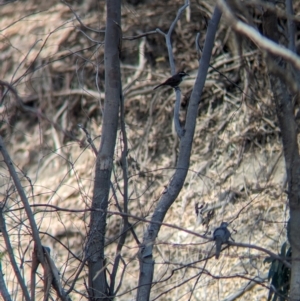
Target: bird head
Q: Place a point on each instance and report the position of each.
(182, 74)
(224, 225)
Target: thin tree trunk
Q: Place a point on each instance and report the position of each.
(98, 286)
(167, 199)
(287, 124)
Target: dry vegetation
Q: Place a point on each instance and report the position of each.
(237, 167)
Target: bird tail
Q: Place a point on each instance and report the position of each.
(157, 87)
(218, 247)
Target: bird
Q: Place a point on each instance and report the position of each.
(174, 81)
(221, 235)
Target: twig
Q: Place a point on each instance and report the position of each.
(198, 277)
(79, 20)
(10, 252)
(88, 37)
(122, 275)
(56, 283)
(142, 219)
(257, 38)
(168, 35)
(33, 111)
(141, 66)
(32, 63)
(140, 35)
(198, 49)
(3, 289)
(89, 139)
(125, 227)
(15, 22)
(34, 229)
(82, 265)
(273, 255)
(246, 287)
(179, 130)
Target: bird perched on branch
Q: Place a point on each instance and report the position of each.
(174, 81)
(221, 235)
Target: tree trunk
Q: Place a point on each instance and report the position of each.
(167, 199)
(287, 124)
(98, 286)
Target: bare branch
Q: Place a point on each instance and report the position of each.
(3, 289)
(34, 229)
(246, 287)
(179, 130)
(89, 139)
(10, 252)
(257, 38)
(123, 230)
(140, 35)
(33, 111)
(79, 20)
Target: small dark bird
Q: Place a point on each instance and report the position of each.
(221, 236)
(174, 81)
